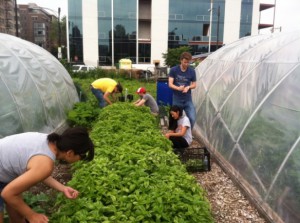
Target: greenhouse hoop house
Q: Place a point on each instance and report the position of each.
(36, 91)
(248, 114)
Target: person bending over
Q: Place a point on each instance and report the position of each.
(29, 158)
(179, 130)
(103, 88)
(147, 100)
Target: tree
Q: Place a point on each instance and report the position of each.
(172, 57)
(54, 36)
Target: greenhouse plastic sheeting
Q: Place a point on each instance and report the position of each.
(35, 89)
(248, 113)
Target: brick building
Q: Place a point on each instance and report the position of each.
(36, 25)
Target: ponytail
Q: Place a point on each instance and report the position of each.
(76, 139)
(53, 137)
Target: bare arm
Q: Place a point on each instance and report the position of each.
(187, 88)
(141, 102)
(51, 182)
(193, 85)
(137, 101)
(68, 191)
(106, 97)
(177, 134)
(39, 168)
(173, 86)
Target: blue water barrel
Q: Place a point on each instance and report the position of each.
(164, 94)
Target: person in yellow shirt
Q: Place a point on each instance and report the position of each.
(103, 88)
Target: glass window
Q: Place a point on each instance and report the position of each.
(144, 52)
(246, 18)
(104, 29)
(125, 30)
(75, 30)
(189, 24)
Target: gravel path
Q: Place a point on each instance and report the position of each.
(228, 203)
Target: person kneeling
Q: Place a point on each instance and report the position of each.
(147, 100)
(180, 132)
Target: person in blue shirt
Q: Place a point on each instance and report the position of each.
(182, 79)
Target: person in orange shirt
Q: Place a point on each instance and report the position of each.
(103, 88)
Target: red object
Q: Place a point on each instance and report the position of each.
(141, 90)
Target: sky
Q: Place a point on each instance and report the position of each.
(287, 12)
(287, 15)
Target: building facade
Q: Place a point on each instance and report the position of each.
(9, 22)
(33, 23)
(36, 25)
(101, 32)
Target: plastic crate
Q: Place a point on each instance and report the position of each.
(196, 159)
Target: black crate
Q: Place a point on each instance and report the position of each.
(196, 159)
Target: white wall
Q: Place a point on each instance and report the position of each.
(159, 29)
(255, 17)
(232, 20)
(90, 32)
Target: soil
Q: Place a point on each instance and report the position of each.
(61, 172)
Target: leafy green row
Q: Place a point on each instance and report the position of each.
(135, 176)
(85, 113)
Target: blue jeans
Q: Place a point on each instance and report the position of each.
(188, 107)
(99, 95)
(2, 185)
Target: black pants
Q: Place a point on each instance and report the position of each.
(179, 144)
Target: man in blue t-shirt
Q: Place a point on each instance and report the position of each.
(182, 79)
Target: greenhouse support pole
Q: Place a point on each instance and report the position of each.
(59, 54)
(210, 24)
(16, 19)
(218, 27)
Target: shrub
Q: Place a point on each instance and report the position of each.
(83, 114)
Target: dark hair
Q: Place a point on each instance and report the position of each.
(76, 139)
(186, 55)
(173, 122)
(119, 87)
